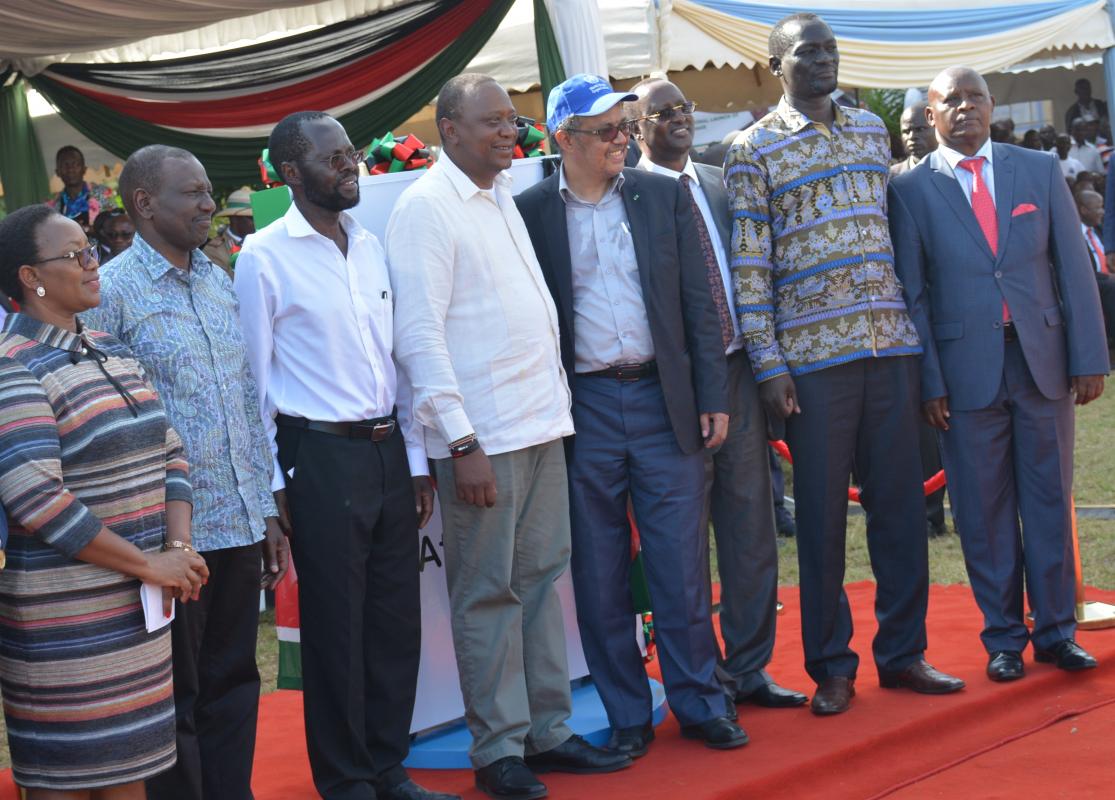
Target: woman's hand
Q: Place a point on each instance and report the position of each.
(182, 571)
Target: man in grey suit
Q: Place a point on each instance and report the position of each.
(738, 495)
(639, 335)
(988, 248)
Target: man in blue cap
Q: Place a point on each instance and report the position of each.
(639, 334)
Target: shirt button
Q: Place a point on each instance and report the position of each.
(616, 303)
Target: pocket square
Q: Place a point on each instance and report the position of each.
(1023, 208)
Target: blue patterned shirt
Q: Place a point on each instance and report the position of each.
(812, 264)
(184, 327)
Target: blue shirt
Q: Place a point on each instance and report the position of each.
(184, 328)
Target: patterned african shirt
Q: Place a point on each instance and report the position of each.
(184, 328)
(812, 264)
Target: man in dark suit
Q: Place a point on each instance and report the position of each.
(639, 335)
(738, 494)
(997, 280)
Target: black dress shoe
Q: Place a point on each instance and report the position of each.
(409, 790)
(1005, 665)
(834, 695)
(718, 733)
(1067, 655)
(632, 742)
(577, 756)
(771, 695)
(509, 777)
(922, 678)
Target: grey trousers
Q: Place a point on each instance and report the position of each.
(508, 632)
(738, 499)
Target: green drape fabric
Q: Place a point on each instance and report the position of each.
(21, 161)
(551, 71)
(231, 162)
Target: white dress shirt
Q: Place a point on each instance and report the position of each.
(1089, 155)
(475, 327)
(1095, 247)
(945, 161)
(318, 328)
(714, 235)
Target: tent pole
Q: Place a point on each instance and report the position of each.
(1109, 64)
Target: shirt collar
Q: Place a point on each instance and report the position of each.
(464, 185)
(156, 264)
(954, 157)
(648, 165)
(43, 332)
(796, 121)
(567, 193)
(297, 226)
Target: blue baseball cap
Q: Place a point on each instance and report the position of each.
(582, 96)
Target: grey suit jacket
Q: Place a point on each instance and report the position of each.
(955, 286)
(712, 184)
(683, 322)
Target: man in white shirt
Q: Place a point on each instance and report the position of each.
(477, 333)
(1082, 150)
(738, 493)
(1070, 167)
(316, 309)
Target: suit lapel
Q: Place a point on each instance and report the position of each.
(640, 230)
(1003, 166)
(954, 198)
(555, 231)
(712, 184)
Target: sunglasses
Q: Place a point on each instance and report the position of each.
(609, 132)
(84, 256)
(685, 109)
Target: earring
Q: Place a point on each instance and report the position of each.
(40, 291)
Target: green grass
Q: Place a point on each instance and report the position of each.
(1095, 485)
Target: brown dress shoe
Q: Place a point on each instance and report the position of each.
(922, 678)
(834, 695)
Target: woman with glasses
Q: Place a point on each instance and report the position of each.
(95, 490)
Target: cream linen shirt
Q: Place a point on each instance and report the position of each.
(475, 327)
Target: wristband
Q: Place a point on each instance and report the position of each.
(464, 447)
(177, 545)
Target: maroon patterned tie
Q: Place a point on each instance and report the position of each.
(712, 268)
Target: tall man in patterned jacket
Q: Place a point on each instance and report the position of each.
(832, 347)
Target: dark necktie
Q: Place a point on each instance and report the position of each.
(712, 268)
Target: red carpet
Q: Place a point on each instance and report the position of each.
(1048, 735)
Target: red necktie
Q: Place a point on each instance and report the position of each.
(984, 206)
(1097, 248)
(712, 266)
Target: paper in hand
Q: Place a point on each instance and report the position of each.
(153, 616)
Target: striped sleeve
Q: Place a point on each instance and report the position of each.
(177, 470)
(31, 486)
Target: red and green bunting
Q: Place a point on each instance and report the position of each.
(372, 73)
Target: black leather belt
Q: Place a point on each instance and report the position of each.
(626, 372)
(376, 429)
(1010, 333)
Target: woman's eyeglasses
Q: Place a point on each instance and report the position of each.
(609, 132)
(84, 256)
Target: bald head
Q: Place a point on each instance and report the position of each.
(1089, 204)
(665, 133)
(960, 108)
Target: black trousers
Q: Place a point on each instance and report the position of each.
(930, 466)
(216, 683)
(864, 412)
(356, 552)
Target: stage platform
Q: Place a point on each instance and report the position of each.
(1048, 735)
